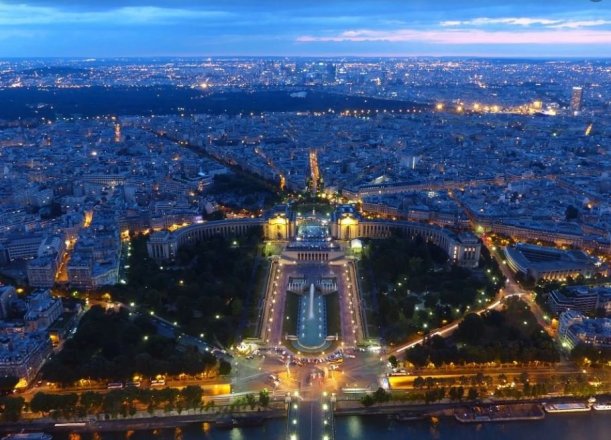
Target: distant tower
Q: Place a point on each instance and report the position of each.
(117, 132)
(576, 99)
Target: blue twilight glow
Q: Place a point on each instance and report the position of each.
(288, 27)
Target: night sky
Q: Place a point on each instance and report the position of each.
(110, 28)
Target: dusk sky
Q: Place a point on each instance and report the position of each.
(106, 28)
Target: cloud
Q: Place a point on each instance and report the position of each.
(12, 34)
(581, 23)
(467, 36)
(515, 21)
(27, 15)
(525, 21)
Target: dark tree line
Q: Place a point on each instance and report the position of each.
(127, 402)
(113, 345)
(405, 266)
(206, 289)
(492, 336)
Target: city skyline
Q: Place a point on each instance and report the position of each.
(225, 218)
(41, 28)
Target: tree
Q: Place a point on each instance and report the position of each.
(91, 401)
(112, 403)
(478, 379)
(66, 403)
(264, 398)
(460, 392)
(418, 382)
(251, 401)
(472, 394)
(418, 355)
(41, 402)
(381, 396)
(571, 213)
(471, 329)
(367, 400)
(435, 394)
(11, 408)
(224, 367)
(392, 359)
(7, 384)
(192, 396)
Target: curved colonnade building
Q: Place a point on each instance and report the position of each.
(163, 245)
(345, 224)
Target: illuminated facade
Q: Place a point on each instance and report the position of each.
(280, 224)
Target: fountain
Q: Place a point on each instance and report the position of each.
(312, 322)
(311, 308)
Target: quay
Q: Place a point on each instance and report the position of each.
(499, 413)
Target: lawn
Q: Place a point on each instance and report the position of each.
(291, 308)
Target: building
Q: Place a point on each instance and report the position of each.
(540, 262)
(462, 248)
(107, 180)
(42, 310)
(79, 269)
(584, 299)
(576, 99)
(7, 294)
(560, 234)
(105, 273)
(163, 245)
(575, 328)
(22, 355)
(41, 271)
(345, 224)
(23, 247)
(52, 245)
(280, 224)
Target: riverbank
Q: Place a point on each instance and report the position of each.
(140, 423)
(499, 413)
(508, 410)
(562, 427)
(354, 407)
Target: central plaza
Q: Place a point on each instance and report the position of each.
(312, 298)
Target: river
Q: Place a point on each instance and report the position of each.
(591, 426)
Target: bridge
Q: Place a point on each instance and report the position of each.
(310, 418)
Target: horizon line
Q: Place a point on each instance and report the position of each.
(94, 58)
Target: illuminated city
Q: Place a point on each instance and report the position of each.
(290, 221)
